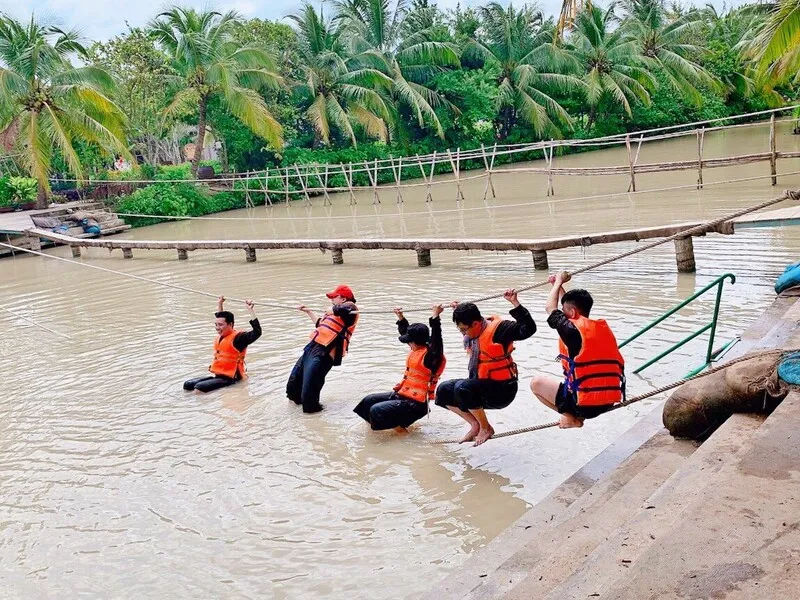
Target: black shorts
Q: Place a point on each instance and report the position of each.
(566, 402)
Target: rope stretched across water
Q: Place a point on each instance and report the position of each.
(702, 228)
(633, 400)
(34, 323)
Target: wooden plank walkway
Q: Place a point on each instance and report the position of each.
(16, 222)
(423, 246)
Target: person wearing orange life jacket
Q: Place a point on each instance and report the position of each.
(594, 370)
(329, 343)
(492, 382)
(230, 348)
(425, 362)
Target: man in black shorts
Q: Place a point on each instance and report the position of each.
(594, 370)
(492, 382)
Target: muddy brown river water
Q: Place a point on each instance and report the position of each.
(116, 483)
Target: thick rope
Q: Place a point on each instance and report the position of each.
(32, 322)
(173, 286)
(449, 210)
(702, 228)
(635, 399)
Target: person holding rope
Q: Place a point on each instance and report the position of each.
(594, 370)
(230, 349)
(329, 344)
(408, 402)
(492, 382)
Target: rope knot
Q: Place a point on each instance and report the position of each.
(792, 194)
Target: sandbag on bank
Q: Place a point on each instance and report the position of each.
(698, 407)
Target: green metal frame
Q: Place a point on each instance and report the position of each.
(711, 354)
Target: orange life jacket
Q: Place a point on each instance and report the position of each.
(228, 360)
(330, 328)
(597, 374)
(494, 360)
(419, 382)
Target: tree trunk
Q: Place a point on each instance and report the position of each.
(592, 117)
(201, 135)
(41, 195)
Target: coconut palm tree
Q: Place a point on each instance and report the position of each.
(342, 93)
(202, 51)
(519, 45)
(374, 33)
(50, 102)
(668, 45)
(613, 68)
(775, 48)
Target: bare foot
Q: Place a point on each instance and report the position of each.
(471, 434)
(569, 421)
(483, 435)
(401, 430)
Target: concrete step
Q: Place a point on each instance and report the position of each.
(558, 549)
(739, 536)
(614, 467)
(573, 575)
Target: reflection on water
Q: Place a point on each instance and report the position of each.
(117, 483)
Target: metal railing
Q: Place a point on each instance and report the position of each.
(711, 354)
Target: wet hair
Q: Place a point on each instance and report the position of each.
(225, 314)
(466, 313)
(580, 299)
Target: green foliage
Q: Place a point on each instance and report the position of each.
(23, 190)
(175, 199)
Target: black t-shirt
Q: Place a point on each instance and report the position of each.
(433, 358)
(567, 331)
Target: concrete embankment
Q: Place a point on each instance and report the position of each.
(658, 517)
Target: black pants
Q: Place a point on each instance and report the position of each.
(388, 410)
(208, 383)
(467, 394)
(308, 376)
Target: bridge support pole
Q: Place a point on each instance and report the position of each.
(127, 253)
(338, 256)
(250, 254)
(76, 251)
(684, 255)
(183, 254)
(423, 257)
(540, 260)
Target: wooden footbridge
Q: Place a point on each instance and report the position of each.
(423, 246)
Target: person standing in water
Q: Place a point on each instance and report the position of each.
(329, 344)
(230, 349)
(408, 402)
(492, 382)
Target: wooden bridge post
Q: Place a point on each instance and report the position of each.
(540, 260)
(455, 165)
(302, 184)
(684, 255)
(349, 180)
(397, 175)
(183, 254)
(127, 253)
(374, 181)
(423, 257)
(250, 254)
(338, 256)
(632, 184)
(701, 134)
(267, 200)
(550, 190)
(773, 156)
(488, 167)
(324, 184)
(286, 183)
(76, 251)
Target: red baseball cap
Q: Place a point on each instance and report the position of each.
(343, 291)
